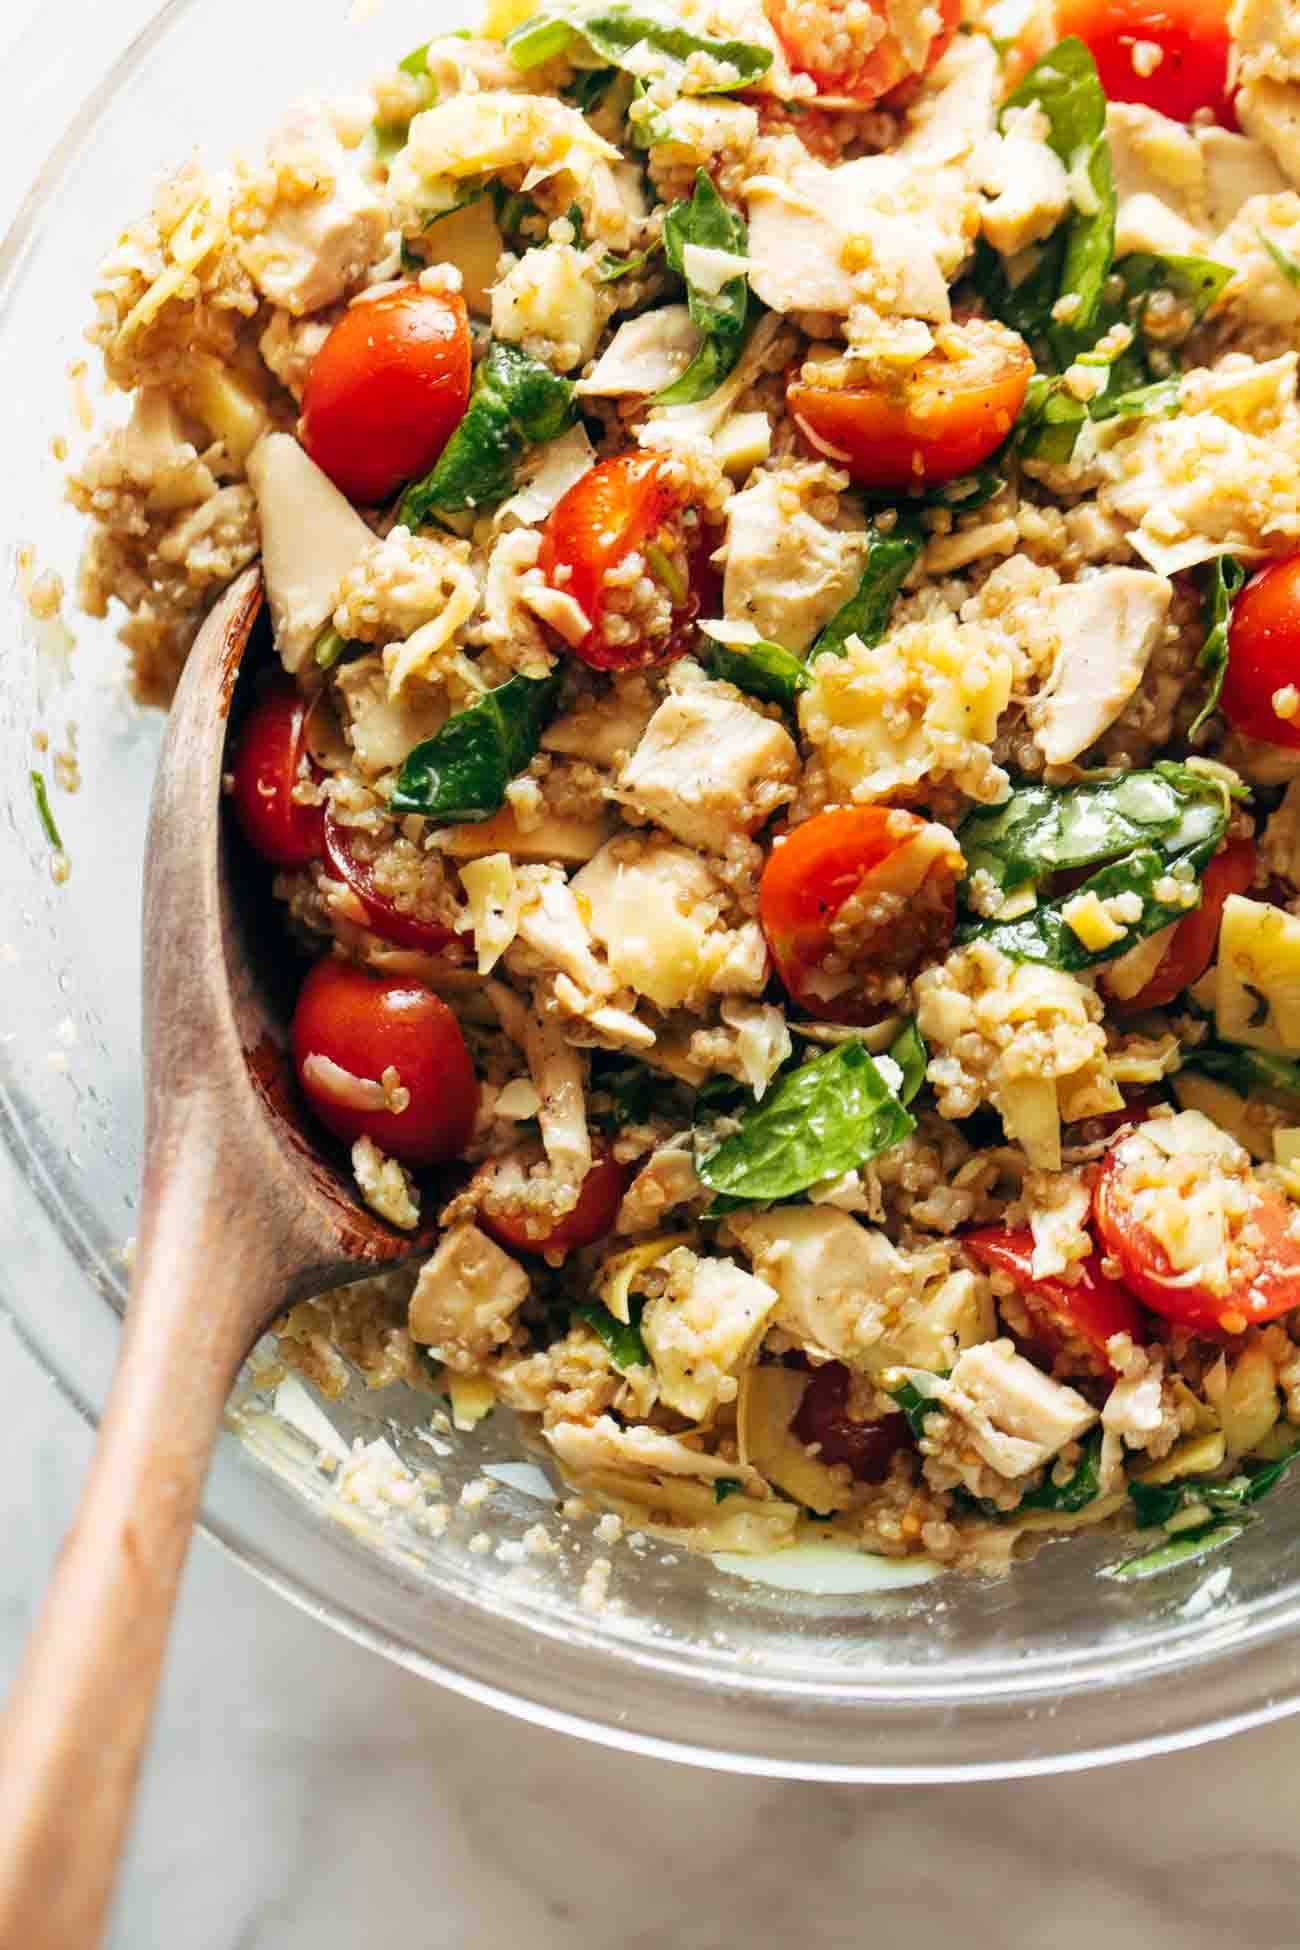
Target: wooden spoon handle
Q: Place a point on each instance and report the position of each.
(79, 1714)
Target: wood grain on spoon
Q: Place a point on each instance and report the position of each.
(238, 1216)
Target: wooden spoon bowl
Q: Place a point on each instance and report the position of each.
(240, 1215)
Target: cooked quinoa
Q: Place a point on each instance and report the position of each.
(783, 548)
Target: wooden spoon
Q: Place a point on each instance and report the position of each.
(239, 1217)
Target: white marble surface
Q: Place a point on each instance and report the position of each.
(303, 1795)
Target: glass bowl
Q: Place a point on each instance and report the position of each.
(1052, 1667)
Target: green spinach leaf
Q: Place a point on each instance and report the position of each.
(1050, 421)
(760, 669)
(1183, 1549)
(909, 1052)
(1080, 1489)
(1286, 264)
(639, 38)
(1252, 1072)
(612, 268)
(1227, 579)
(516, 402)
(723, 317)
(623, 1339)
(726, 1486)
(1144, 826)
(1076, 260)
(917, 1406)
(462, 772)
(824, 1118)
(890, 556)
(1157, 400)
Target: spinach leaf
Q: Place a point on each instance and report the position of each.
(416, 63)
(641, 39)
(626, 1347)
(613, 268)
(1080, 1489)
(890, 556)
(1076, 259)
(760, 669)
(1044, 829)
(1286, 264)
(824, 1118)
(632, 1089)
(515, 402)
(519, 219)
(1136, 279)
(1050, 421)
(916, 1406)
(462, 772)
(1250, 1071)
(49, 827)
(1143, 826)
(1183, 1549)
(1159, 399)
(726, 1486)
(1227, 578)
(909, 1052)
(724, 318)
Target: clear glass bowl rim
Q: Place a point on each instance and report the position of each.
(1152, 1703)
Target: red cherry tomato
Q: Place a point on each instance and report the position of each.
(385, 918)
(850, 904)
(508, 1221)
(1191, 38)
(855, 51)
(1264, 653)
(867, 1448)
(624, 507)
(1264, 1263)
(940, 418)
(1065, 1313)
(270, 762)
(387, 390)
(1194, 941)
(364, 1025)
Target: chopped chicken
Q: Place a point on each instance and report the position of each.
(788, 572)
(1015, 1416)
(329, 223)
(1108, 625)
(710, 767)
(701, 1328)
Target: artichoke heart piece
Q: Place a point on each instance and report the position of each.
(1258, 991)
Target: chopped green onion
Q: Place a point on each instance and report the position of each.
(46, 817)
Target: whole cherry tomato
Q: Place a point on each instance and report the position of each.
(507, 1219)
(1193, 942)
(938, 419)
(1065, 1313)
(270, 763)
(387, 390)
(867, 1448)
(1264, 654)
(384, 916)
(1170, 55)
(349, 1029)
(858, 52)
(852, 900)
(622, 509)
(1264, 1248)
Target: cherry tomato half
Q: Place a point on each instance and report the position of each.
(270, 762)
(940, 418)
(1264, 1277)
(1264, 653)
(1193, 942)
(1065, 1313)
(362, 1026)
(387, 390)
(507, 1219)
(852, 900)
(1170, 55)
(384, 916)
(867, 1448)
(622, 508)
(855, 51)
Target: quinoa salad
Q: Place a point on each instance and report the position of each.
(780, 521)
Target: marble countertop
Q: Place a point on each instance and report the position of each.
(301, 1794)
